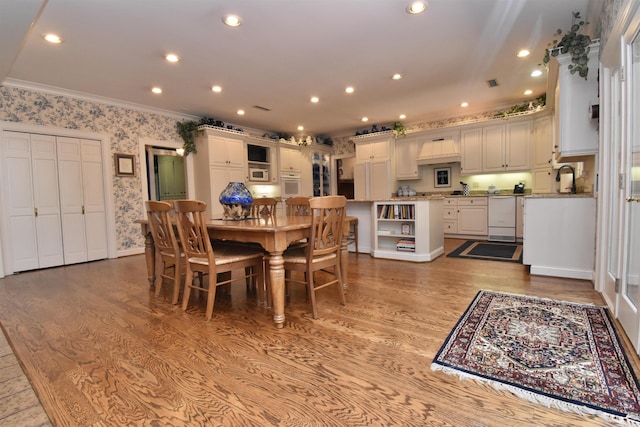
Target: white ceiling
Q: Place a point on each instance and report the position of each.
(285, 52)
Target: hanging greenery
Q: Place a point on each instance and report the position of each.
(188, 131)
(399, 129)
(573, 43)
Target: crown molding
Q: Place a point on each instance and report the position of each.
(22, 84)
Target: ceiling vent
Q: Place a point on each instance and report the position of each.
(260, 107)
(492, 83)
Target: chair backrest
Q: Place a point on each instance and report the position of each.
(264, 206)
(297, 205)
(158, 214)
(328, 215)
(192, 229)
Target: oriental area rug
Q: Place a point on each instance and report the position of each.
(559, 354)
(492, 251)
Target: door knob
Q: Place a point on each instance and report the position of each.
(633, 199)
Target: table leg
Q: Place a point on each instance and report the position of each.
(150, 257)
(344, 262)
(276, 275)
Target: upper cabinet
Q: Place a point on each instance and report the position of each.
(290, 159)
(406, 154)
(227, 152)
(506, 147)
(542, 148)
(376, 148)
(471, 151)
(575, 98)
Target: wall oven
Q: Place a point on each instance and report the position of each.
(290, 185)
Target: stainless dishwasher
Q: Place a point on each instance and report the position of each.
(502, 218)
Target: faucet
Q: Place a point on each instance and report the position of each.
(573, 177)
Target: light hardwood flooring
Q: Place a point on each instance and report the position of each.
(101, 350)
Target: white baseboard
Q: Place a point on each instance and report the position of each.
(562, 272)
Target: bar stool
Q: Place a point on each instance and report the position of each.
(353, 231)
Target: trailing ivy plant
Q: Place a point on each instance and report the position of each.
(399, 129)
(188, 131)
(573, 43)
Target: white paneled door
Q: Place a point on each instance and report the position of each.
(82, 200)
(32, 202)
(55, 200)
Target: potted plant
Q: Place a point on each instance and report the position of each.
(399, 129)
(188, 131)
(575, 44)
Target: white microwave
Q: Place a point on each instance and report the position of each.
(258, 174)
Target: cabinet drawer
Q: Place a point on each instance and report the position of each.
(473, 201)
(450, 213)
(450, 202)
(450, 227)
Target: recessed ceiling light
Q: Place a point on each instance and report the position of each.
(241, 112)
(365, 119)
(416, 7)
(156, 90)
(315, 99)
(403, 116)
(536, 73)
(300, 127)
(464, 104)
(232, 20)
(528, 92)
(172, 57)
(52, 38)
(349, 89)
(216, 89)
(396, 76)
(523, 53)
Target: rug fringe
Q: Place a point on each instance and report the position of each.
(537, 398)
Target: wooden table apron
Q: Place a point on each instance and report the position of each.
(273, 234)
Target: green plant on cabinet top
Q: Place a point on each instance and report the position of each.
(188, 131)
(573, 43)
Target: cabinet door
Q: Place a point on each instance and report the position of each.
(380, 180)
(517, 146)
(364, 151)
(381, 150)
(406, 159)
(235, 153)
(361, 181)
(542, 142)
(472, 220)
(543, 181)
(493, 159)
(519, 217)
(289, 160)
(471, 151)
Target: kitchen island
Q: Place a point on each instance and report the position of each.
(401, 228)
(560, 235)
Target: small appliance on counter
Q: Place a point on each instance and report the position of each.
(518, 188)
(465, 189)
(492, 190)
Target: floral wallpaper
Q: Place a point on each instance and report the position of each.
(125, 127)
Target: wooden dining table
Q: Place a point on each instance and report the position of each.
(274, 234)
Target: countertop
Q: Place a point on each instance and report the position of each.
(439, 196)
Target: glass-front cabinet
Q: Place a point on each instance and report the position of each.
(320, 166)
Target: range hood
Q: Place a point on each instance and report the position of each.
(438, 150)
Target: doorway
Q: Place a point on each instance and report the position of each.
(166, 178)
(344, 176)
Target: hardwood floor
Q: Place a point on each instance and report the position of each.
(101, 350)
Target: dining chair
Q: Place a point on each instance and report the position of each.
(173, 260)
(352, 227)
(323, 249)
(203, 257)
(263, 207)
(297, 205)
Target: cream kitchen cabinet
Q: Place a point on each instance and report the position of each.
(506, 147)
(472, 216)
(220, 160)
(471, 151)
(372, 180)
(406, 154)
(542, 153)
(465, 216)
(376, 148)
(290, 160)
(577, 130)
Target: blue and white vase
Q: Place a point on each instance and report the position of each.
(236, 200)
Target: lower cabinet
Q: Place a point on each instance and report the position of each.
(408, 231)
(465, 216)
